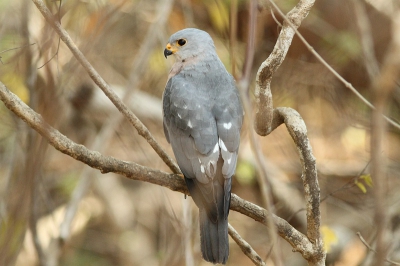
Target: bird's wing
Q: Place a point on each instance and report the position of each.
(229, 116)
(204, 143)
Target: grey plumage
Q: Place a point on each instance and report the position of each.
(202, 121)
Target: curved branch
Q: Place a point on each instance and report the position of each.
(263, 94)
(298, 131)
(140, 127)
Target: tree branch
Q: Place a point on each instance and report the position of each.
(245, 247)
(263, 94)
(140, 127)
(373, 250)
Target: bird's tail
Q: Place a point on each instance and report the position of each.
(214, 238)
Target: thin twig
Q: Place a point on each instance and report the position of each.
(324, 63)
(249, 58)
(367, 42)
(55, 54)
(382, 87)
(245, 247)
(244, 86)
(373, 250)
(15, 48)
(349, 184)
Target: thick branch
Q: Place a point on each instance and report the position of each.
(134, 171)
(140, 127)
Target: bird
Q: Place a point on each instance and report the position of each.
(202, 120)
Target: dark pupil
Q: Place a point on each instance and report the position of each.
(181, 42)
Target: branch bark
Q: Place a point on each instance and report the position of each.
(264, 114)
(245, 247)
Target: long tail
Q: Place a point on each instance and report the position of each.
(214, 238)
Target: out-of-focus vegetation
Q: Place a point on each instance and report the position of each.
(125, 222)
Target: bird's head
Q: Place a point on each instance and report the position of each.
(188, 43)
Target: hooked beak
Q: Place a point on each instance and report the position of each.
(169, 50)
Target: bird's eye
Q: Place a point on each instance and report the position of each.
(181, 42)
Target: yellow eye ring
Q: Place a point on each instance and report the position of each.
(181, 42)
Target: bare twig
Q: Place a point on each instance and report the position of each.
(140, 127)
(273, 61)
(382, 87)
(348, 185)
(244, 86)
(175, 182)
(373, 250)
(367, 43)
(245, 247)
(262, 177)
(55, 54)
(15, 48)
(263, 121)
(232, 35)
(248, 63)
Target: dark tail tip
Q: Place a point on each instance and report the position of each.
(214, 239)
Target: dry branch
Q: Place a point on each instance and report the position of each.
(263, 121)
(245, 247)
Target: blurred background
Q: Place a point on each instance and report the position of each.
(56, 211)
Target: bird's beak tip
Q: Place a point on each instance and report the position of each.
(167, 52)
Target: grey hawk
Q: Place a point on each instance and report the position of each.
(203, 117)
